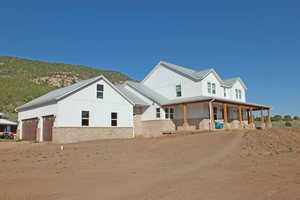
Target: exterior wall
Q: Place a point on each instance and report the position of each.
(79, 134)
(213, 79)
(45, 110)
(189, 88)
(164, 81)
(69, 109)
(152, 128)
(238, 86)
(196, 111)
(38, 112)
(150, 112)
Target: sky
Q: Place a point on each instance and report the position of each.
(256, 40)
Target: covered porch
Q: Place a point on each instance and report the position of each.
(217, 114)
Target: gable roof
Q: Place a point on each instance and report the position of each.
(232, 81)
(195, 75)
(58, 94)
(186, 72)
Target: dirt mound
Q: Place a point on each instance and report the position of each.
(270, 142)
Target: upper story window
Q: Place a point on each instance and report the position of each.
(178, 91)
(225, 92)
(238, 94)
(209, 87)
(169, 113)
(114, 119)
(85, 118)
(100, 90)
(157, 112)
(214, 88)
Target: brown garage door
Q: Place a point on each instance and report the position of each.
(47, 127)
(29, 129)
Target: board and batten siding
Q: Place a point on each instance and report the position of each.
(69, 108)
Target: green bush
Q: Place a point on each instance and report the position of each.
(287, 118)
(288, 124)
(276, 118)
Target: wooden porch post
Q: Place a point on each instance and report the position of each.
(262, 115)
(269, 115)
(225, 113)
(240, 113)
(269, 121)
(250, 115)
(185, 114)
(262, 119)
(211, 115)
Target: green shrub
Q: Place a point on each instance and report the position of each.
(276, 118)
(287, 118)
(288, 124)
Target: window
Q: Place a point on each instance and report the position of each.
(225, 93)
(178, 90)
(238, 94)
(209, 87)
(213, 88)
(157, 112)
(85, 116)
(100, 89)
(114, 119)
(169, 113)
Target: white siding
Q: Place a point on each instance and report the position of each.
(200, 110)
(150, 113)
(212, 79)
(164, 81)
(38, 112)
(238, 86)
(69, 109)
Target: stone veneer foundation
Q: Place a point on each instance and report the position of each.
(78, 134)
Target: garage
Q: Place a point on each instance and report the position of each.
(29, 129)
(48, 122)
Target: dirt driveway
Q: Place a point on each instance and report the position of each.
(225, 165)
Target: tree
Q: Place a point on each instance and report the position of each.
(287, 118)
(296, 118)
(276, 118)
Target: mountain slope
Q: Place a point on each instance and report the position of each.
(22, 80)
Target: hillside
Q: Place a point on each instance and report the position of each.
(22, 80)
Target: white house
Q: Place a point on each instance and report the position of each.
(170, 98)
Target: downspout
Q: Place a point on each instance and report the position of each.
(210, 114)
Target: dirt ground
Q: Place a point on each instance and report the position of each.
(237, 165)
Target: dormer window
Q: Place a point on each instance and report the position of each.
(225, 93)
(178, 91)
(100, 90)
